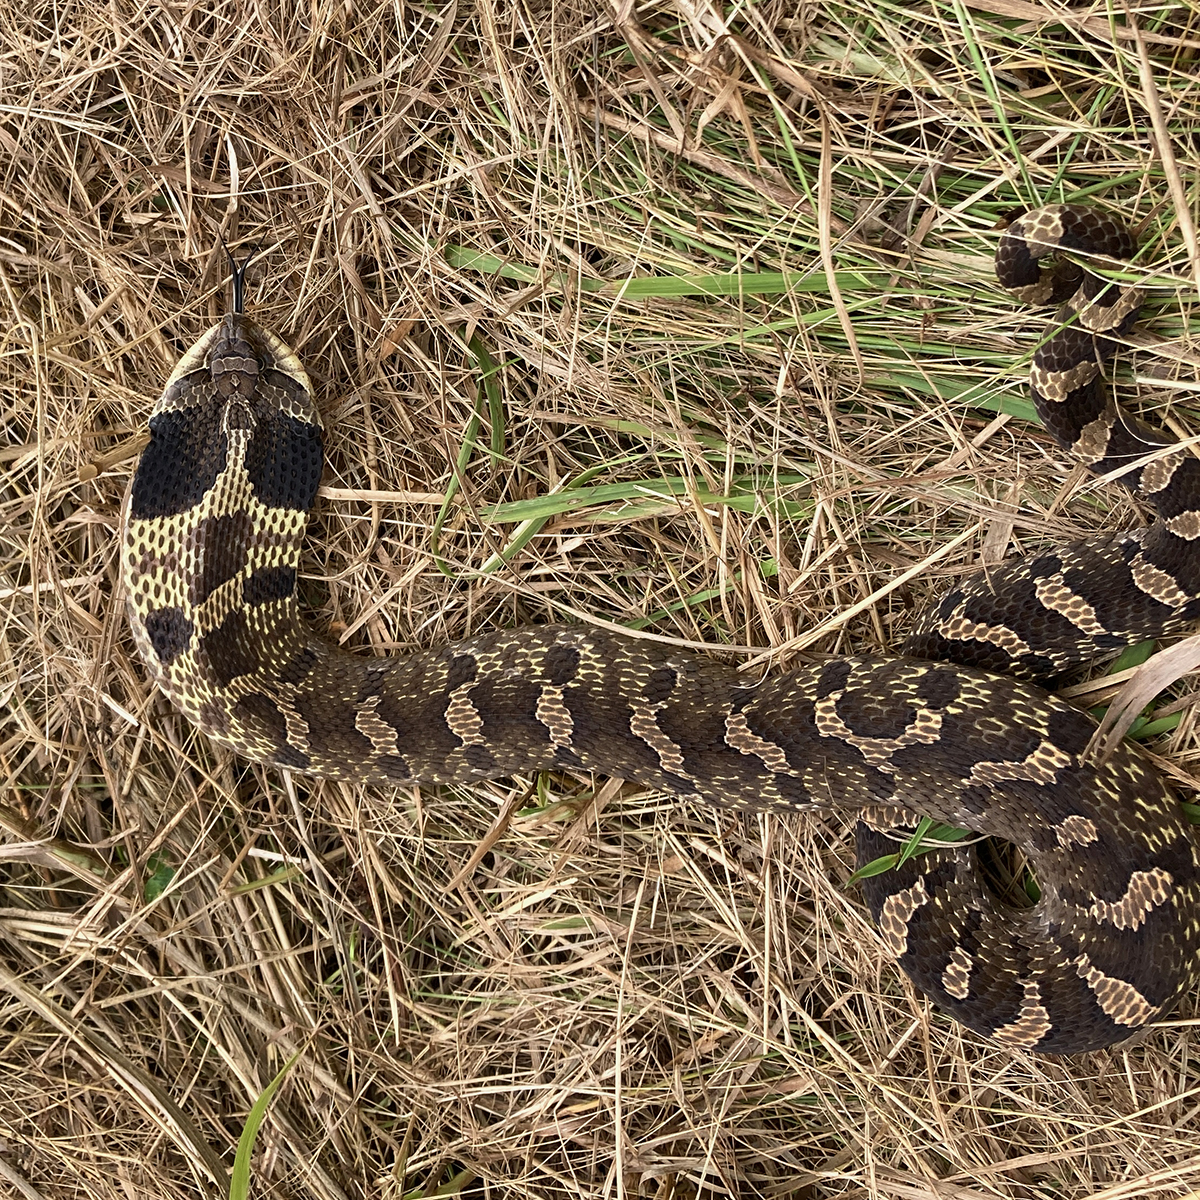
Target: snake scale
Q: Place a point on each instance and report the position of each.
(953, 728)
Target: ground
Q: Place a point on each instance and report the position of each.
(676, 317)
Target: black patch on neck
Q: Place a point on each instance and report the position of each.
(284, 459)
(186, 454)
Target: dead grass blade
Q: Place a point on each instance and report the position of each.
(750, 390)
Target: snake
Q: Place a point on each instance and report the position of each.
(957, 727)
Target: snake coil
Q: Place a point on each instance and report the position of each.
(953, 729)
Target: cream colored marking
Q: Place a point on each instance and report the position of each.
(462, 717)
(1054, 594)
(1158, 474)
(374, 728)
(296, 727)
(1121, 1001)
(883, 818)
(643, 722)
(1034, 294)
(896, 913)
(742, 738)
(1157, 583)
(1041, 230)
(1100, 318)
(958, 628)
(1032, 1023)
(925, 729)
(1185, 525)
(554, 714)
(1146, 891)
(956, 977)
(1076, 831)
(1092, 444)
(1056, 386)
(1041, 765)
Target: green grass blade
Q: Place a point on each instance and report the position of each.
(239, 1181)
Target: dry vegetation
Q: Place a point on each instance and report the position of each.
(673, 317)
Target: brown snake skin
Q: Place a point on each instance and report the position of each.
(212, 530)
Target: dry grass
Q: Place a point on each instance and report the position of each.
(617, 996)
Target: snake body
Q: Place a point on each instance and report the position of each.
(212, 529)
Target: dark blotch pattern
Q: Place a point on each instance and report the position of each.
(268, 584)
(284, 461)
(232, 649)
(562, 662)
(504, 702)
(659, 685)
(479, 758)
(462, 669)
(264, 717)
(170, 633)
(419, 722)
(834, 677)
(220, 547)
(938, 688)
(187, 452)
(395, 768)
(332, 729)
(299, 666)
